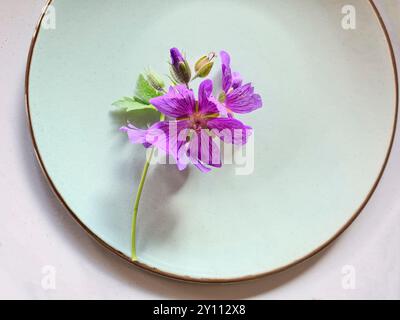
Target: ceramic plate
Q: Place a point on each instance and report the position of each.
(321, 140)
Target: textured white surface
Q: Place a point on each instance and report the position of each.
(37, 232)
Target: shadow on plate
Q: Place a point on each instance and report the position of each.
(103, 259)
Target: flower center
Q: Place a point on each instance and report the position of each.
(222, 97)
(198, 121)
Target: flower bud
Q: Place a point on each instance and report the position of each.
(204, 65)
(180, 69)
(155, 80)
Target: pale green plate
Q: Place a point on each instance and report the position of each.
(321, 140)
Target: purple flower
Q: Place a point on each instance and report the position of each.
(188, 136)
(236, 98)
(180, 69)
(176, 56)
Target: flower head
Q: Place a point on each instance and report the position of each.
(236, 98)
(188, 136)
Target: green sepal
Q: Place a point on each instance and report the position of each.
(145, 91)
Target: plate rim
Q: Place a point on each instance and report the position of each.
(186, 278)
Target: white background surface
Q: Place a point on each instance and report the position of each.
(36, 231)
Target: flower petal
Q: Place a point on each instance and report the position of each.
(226, 71)
(207, 103)
(243, 99)
(167, 136)
(225, 58)
(135, 135)
(179, 102)
(236, 80)
(230, 130)
(176, 56)
(170, 137)
(204, 152)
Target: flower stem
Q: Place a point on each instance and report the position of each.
(138, 196)
(136, 206)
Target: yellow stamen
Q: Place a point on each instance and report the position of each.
(211, 115)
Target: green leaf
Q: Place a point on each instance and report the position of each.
(137, 99)
(131, 104)
(144, 90)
